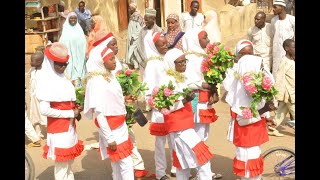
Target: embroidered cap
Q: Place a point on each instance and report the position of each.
(280, 2)
(106, 53)
(151, 12)
(57, 52)
(101, 36)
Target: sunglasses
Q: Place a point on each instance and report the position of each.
(61, 64)
(183, 62)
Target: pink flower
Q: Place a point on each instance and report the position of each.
(251, 88)
(215, 50)
(210, 46)
(247, 77)
(150, 101)
(210, 56)
(165, 111)
(266, 83)
(118, 72)
(155, 90)
(204, 67)
(246, 113)
(128, 72)
(167, 92)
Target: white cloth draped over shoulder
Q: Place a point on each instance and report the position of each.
(237, 95)
(102, 96)
(154, 70)
(190, 43)
(49, 86)
(211, 26)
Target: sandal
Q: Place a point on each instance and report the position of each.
(35, 144)
(216, 176)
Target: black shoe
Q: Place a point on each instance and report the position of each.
(165, 177)
(173, 175)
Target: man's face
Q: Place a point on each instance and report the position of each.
(204, 40)
(194, 9)
(149, 21)
(131, 10)
(81, 7)
(113, 45)
(291, 49)
(259, 21)
(277, 9)
(73, 20)
(162, 45)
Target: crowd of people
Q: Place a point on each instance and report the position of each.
(87, 53)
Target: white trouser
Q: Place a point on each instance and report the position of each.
(160, 156)
(202, 130)
(245, 154)
(29, 130)
(63, 171)
(203, 172)
(123, 169)
(138, 163)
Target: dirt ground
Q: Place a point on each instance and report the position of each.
(88, 166)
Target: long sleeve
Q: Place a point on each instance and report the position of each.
(46, 110)
(104, 127)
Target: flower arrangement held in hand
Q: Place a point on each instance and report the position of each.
(80, 91)
(163, 97)
(130, 83)
(131, 86)
(259, 86)
(218, 60)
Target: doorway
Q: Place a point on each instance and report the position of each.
(158, 4)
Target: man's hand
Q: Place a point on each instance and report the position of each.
(112, 146)
(190, 96)
(214, 98)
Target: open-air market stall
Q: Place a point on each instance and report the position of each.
(42, 23)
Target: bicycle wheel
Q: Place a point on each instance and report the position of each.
(29, 167)
(274, 156)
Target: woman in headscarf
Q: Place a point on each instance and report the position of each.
(98, 24)
(194, 43)
(57, 101)
(188, 150)
(155, 45)
(74, 39)
(211, 26)
(104, 98)
(174, 33)
(246, 134)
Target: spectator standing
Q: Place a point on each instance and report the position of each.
(285, 84)
(283, 27)
(174, 33)
(136, 23)
(192, 19)
(73, 38)
(261, 37)
(84, 17)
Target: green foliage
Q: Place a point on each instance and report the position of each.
(130, 83)
(80, 95)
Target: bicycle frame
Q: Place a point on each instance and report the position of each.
(282, 167)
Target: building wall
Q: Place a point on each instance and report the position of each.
(234, 21)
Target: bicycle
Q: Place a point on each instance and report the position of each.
(279, 163)
(29, 167)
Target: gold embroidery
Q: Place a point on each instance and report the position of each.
(196, 53)
(179, 77)
(155, 58)
(91, 74)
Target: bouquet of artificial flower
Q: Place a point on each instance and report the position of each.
(163, 97)
(259, 86)
(130, 85)
(218, 60)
